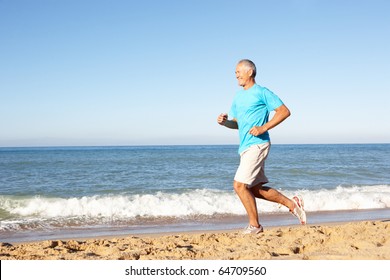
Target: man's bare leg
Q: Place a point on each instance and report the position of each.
(248, 200)
(271, 194)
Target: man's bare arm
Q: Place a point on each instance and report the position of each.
(223, 120)
(281, 113)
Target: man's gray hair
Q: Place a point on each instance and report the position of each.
(249, 65)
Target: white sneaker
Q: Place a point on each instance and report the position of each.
(299, 211)
(252, 230)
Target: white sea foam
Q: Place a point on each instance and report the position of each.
(193, 202)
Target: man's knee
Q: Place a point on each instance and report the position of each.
(239, 187)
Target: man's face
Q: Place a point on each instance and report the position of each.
(243, 75)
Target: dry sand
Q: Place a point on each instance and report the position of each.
(356, 240)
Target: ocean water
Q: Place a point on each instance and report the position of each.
(60, 191)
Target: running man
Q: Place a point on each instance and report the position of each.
(249, 114)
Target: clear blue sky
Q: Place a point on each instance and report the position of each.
(94, 72)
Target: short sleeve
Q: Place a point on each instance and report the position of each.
(233, 112)
(271, 100)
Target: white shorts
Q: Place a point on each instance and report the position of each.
(251, 169)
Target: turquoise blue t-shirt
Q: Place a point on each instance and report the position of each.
(251, 108)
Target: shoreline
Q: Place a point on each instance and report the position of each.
(358, 234)
(200, 224)
(360, 240)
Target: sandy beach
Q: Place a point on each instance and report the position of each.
(352, 241)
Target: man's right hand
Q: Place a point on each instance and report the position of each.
(222, 118)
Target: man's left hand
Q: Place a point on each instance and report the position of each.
(257, 130)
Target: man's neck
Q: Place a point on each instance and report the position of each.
(249, 84)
